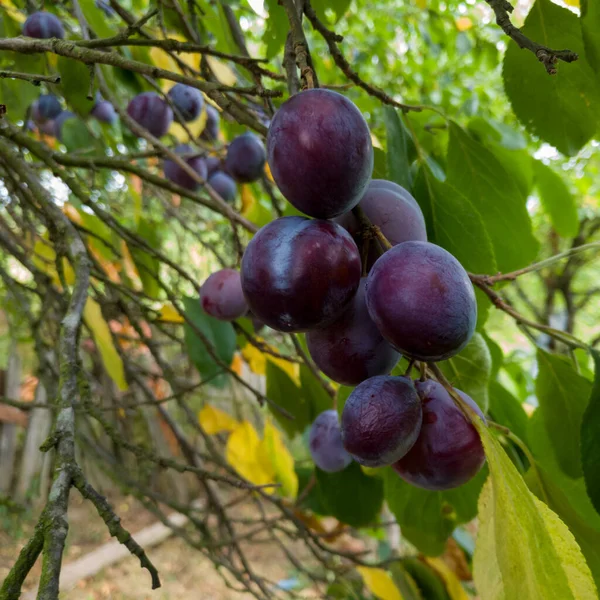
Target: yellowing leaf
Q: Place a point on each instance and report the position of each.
(214, 420)
(131, 269)
(422, 4)
(244, 454)
(268, 173)
(168, 313)
(102, 337)
(464, 23)
(281, 460)
(162, 60)
(453, 586)
(292, 369)
(72, 213)
(574, 3)
(223, 72)
(44, 258)
(379, 583)
(256, 359)
(13, 11)
(523, 549)
(237, 364)
(195, 127)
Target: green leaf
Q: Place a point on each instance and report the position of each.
(277, 28)
(397, 148)
(480, 176)
(285, 393)
(516, 162)
(590, 438)
(379, 164)
(351, 496)
(77, 137)
(557, 200)
(18, 95)
(495, 353)
(339, 7)
(428, 582)
(75, 84)
(314, 393)
(405, 582)
(344, 392)
(428, 518)
(590, 26)
(456, 225)
(523, 549)
(219, 334)
(567, 117)
(470, 370)
(507, 410)
(147, 265)
(563, 395)
(97, 19)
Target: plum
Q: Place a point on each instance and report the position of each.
(150, 111)
(221, 295)
(298, 274)
(245, 158)
(223, 185)
(173, 172)
(211, 130)
(104, 111)
(448, 451)
(320, 153)
(351, 349)
(46, 108)
(213, 164)
(381, 420)
(43, 25)
(187, 100)
(392, 186)
(325, 443)
(422, 301)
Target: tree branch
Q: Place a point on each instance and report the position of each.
(31, 77)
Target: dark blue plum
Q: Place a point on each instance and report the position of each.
(187, 100)
(221, 296)
(213, 164)
(173, 172)
(45, 108)
(246, 157)
(223, 185)
(211, 130)
(298, 274)
(104, 112)
(325, 443)
(43, 25)
(151, 112)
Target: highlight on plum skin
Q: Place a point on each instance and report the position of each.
(422, 301)
(325, 443)
(150, 111)
(187, 100)
(298, 273)
(352, 349)
(211, 130)
(224, 185)
(221, 295)
(246, 158)
(381, 420)
(448, 451)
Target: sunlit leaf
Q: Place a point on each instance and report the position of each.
(214, 420)
(379, 583)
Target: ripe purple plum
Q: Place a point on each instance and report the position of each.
(173, 172)
(43, 25)
(223, 185)
(213, 164)
(150, 111)
(381, 420)
(211, 130)
(448, 451)
(245, 158)
(46, 108)
(187, 100)
(320, 153)
(325, 443)
(392, 186)
(104, 112)
(351, 349)
(57, 124)
(422, 301)
(298, 273)
(221, 295)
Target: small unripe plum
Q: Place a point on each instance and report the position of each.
(422, 300)
(150, 111)
(43, 25)
(45, 108)
(325, 443)
(245, 158)
(187, 100)
(381, 420)
(223, 185)
(211, 130)
(221, 295)
(351, 349)
(59, 122)
(173, 172)
(298, 274)
(320, 152)
(104, 111)
(448, 451)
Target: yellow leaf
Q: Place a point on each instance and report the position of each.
(292, 369)
(255, 358)
(214, 420)
(102, 337)
(244, 454)
(72, 213)
(44, 258)
(162, 60)
(574, 3)
(195, 127)
(281, 460)
(268, 173)
(464, 23)
(223, 72)
(237, 364)
(379, 583)
(130, 267)
(13, 11)
(169, 313)
(453, 586)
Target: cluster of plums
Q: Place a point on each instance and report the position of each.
(302, 274)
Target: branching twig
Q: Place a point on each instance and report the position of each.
(33, 78)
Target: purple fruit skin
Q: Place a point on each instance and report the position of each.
(448, 451)
(325, 443)
(320, 153)
(151, 112)
(173, 172)
(43, 25)
(381, 420)
(351, 349)
(45, 108)
(245, 158)
(223, 185)
(187, 100)
(211, 130)
(58, 123)
(422, 301)
(105, 112)
(298, 274)
(392, 186)
(213, 164)
(221, 295)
